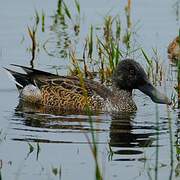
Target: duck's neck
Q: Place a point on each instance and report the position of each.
(121, 94)
(122, 100)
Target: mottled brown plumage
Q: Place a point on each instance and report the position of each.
(58, 96)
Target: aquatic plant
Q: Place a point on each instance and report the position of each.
(157, 144)
(93, 146)
(43, 21)
(32, 35)
(57, 171)
(155, 69)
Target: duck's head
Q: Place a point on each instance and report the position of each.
(130, 75)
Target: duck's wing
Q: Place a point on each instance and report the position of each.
(35, 73)
(76, 85)
(71, 83)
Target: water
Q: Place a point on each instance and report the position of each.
(45, 146)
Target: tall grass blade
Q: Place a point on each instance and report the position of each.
(31, 148)
(43, 21)
(38, 151)
(91, 42)
(37, 17)
(67, 11)
(59, 10)
(77, 6)
(118, 30)
(149, 61)
(157, 143)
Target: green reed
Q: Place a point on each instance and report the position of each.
(128, 34)
(155, 69)
(177, 88)
(178, 77)
(59, 8)
(157, 74)
(110, 152)
(57, 171)
(38, 150)
(128, 13)
(32, 33)
(67, 11)
(171, 143)
(31, 148)
(90, 43)
(157, 143)
(102, 50)
(78, 7)
(63, 12)
(177, 147)
(93, 144)
(94, 149)
(37, 18)
(43, 21)
(104, 47)
(108, 51)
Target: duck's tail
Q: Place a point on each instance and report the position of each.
(20, 79)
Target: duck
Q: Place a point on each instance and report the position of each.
(174, 50)
(73, 93)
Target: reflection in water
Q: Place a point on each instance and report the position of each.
(122, 134)
(177, 144)
(127, 136)
(31, 108)
(57, 45)
(176, 6)
(43, 120)
(63, 34)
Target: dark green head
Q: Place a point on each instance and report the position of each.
(130, 75)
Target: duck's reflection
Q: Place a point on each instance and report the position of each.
(126, 136)
(36, 108)
(44, 117)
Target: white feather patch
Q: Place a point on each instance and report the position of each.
(13, 78)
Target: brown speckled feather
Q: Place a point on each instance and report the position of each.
(68, 93)
(57, 96)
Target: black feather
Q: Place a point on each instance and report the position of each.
(20, 78)
(31, 71)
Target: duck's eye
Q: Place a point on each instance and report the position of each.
(132, 72)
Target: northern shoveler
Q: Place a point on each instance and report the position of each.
(73, 93)
(174, 50)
